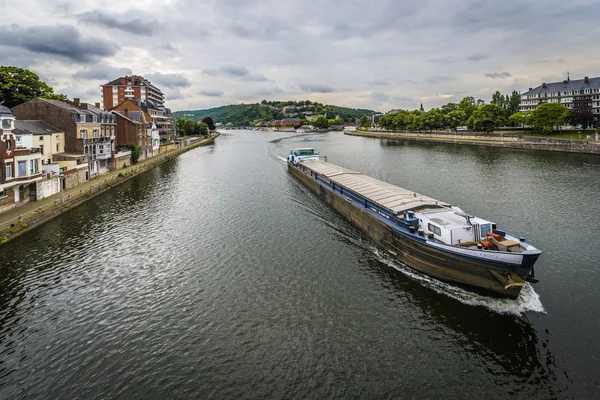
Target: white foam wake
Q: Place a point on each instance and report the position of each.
(528, 300)
(283, 159)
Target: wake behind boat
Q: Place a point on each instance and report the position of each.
(427, 235)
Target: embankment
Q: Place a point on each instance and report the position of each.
(54, 206)
(508, 141)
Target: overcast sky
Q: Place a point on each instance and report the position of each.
(375, 54)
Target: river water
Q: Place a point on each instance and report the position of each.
(219, 275)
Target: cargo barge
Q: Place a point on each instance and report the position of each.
(425, 234)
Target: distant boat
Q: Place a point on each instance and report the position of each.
(300, 131)
(349, 129)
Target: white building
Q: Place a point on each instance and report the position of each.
(571, 93)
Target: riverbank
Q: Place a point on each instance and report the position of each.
(509, 141)
(29, 216)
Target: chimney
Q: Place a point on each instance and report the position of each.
(587, 80)
(544, 85)
(530, 89)
(97, 105)
(77, 101)
(126, 111)
(123, 81)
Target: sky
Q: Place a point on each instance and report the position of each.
(376, 54)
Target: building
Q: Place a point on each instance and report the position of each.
(87, 130)
(132, 129)
(574, 94)
(131, 87)
(289, 122)
(162, 117)
(20, 167)
(48, 139)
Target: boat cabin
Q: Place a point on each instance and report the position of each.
(452, 226)
(304, 153)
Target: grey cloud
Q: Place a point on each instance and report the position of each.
(237, 71)
(167, 46)
(168, 80)
(173, 94)
(101, 71)
(478, 57)
(444, 60)
(316, 88)
(132, 25)
(211, 93)
(234, 70)
(380, 97)
(498, 75)
(440, 79)
(60, 40)
(411, 81)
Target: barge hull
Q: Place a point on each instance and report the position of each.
(441, 265)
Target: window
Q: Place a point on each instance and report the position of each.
(18, 138)
(2, 193)
(435, 229)
(9, 173)
(83, 133)
(57, 144)
(22, 168)
(6, 123)
(8, 145)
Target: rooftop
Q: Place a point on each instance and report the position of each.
(34, 127)
(575, 84)
(5, 110)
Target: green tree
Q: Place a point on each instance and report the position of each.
(513, 103)
(447, 108)
(400, 120)
(454, 119)
(18, 85)
(321, 122)
(432, 119)
(364, 121)
(521, 118)
(468, 105)
(549, 115)
(486, 117)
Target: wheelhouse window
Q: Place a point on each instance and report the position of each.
(435, 229)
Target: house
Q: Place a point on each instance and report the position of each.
(132, 129)
(85, 132)
(287, 122)
(20, 167)
(38, 134)
(162, 117)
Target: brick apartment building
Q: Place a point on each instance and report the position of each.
(131, 87)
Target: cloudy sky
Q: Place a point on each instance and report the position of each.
(378, 54)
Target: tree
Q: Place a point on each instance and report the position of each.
(486, 117)
(364, 121)
(454, 119)
(321, 122)
(18, 85)
(432, 119)
(521, 118)
(548, 115)
(210, 123)
(582, 112)
(202, 128)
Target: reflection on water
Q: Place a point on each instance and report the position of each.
(218, 274)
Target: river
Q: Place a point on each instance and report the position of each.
(219, 275)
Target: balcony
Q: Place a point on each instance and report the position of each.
(104, 156)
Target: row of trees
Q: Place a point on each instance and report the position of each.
(478, 116)
(188, 127)
(470, 112)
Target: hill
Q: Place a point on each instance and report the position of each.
(248, 114)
